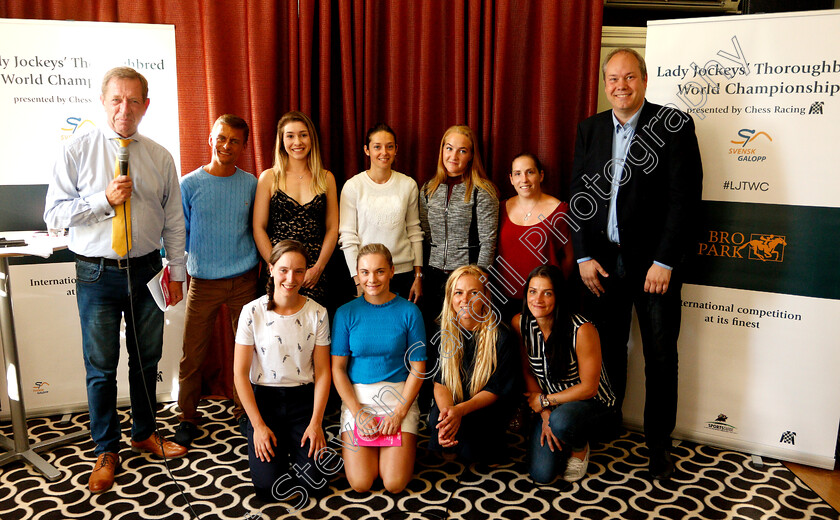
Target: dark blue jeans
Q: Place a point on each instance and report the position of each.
(103, 299)
(573, 424)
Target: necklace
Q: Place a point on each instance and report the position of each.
(527, 215)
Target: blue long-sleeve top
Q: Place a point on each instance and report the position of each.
(380, 340)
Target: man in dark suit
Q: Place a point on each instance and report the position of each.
(636, 187)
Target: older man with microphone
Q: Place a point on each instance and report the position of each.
(117, 191)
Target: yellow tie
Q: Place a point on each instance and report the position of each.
(121, 223)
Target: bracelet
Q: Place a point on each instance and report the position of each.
(418, 275)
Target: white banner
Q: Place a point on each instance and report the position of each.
(49, 338)
(50, 82)
(759, 362)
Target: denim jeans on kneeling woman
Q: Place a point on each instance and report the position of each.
(574, 424)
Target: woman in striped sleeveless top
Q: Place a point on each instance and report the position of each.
(565, 380)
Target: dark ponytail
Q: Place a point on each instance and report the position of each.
(280, 249)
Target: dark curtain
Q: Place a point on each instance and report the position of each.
(521, 73)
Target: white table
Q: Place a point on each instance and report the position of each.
(19, 447)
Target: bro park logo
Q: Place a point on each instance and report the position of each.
(748, 145)
(761, 247)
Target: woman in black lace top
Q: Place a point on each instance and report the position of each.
(297, 199)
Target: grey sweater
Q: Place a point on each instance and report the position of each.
(447, 226)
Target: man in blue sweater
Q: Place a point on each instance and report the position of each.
(222, 262)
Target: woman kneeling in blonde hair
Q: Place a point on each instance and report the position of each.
(378, 350)
(479, 371)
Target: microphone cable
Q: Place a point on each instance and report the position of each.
(193, 514)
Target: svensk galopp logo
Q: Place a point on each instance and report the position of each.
(74, 124)
(748, 135)
(744, 153)
(767, 248)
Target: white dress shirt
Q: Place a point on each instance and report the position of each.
(76, 198)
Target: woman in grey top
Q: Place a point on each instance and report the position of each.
(459, 212)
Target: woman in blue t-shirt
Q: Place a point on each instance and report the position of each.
(378, 352)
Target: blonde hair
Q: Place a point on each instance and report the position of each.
(451, 340)
(624, 50)
(477, 176)
(375, 249)
(126, 73)
(281, 157)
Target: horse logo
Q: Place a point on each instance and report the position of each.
(764, 247)
(747, 134)
(720, 425)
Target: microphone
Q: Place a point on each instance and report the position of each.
(122, 157)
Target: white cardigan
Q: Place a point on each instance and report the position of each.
(381, 213)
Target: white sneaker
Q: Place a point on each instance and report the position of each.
(576, 468)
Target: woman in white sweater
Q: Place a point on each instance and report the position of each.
(379, 205)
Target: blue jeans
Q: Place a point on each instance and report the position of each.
(103, 299)
(573, 424)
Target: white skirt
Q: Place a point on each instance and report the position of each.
(381, 397)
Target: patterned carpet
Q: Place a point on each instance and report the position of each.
(709, 484)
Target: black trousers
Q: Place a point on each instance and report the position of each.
(481, 436)
(434, 291)
(291, 474)
(659, 324)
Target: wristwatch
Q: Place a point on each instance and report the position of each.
(544, 402)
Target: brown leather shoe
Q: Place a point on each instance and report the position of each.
(156, 445)
(102, 476)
